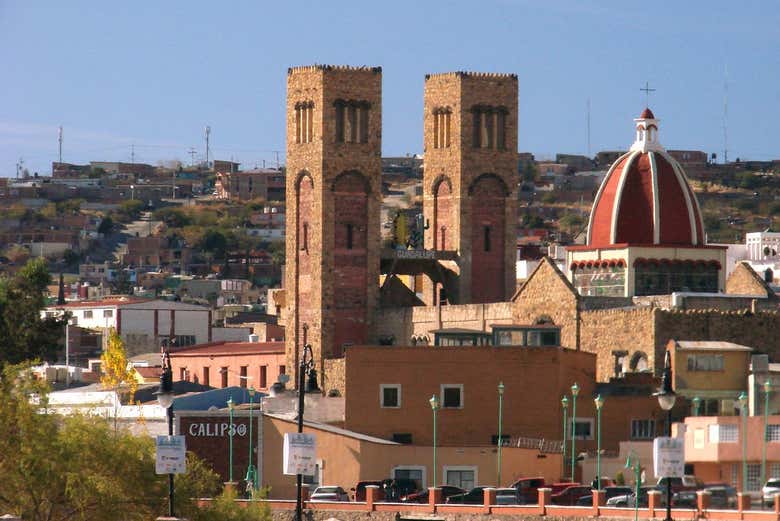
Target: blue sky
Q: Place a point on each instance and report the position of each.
(154, 74)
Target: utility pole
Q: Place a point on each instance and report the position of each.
(208, 132)
(192, 156)
(132, 154)
(19, 167)
(725, 114)
(588, 127)
(59, 139)
(276, 153)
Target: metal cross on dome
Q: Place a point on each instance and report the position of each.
(647, 91)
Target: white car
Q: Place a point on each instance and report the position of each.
(770, 490)
(329, 493)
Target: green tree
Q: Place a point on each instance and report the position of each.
(24, 335)
(116, 372)
(71, 468)
(106, 225)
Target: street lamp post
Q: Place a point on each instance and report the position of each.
(565, 406)
(165, 399)
(305, 367)
(251, 472)
(696, 404)
(599, 401)
(500, 422)
(666, 398)
(767, 390)
(633, 463)
(231, 406)
(743, 399)
(575, 389)
(434, 401)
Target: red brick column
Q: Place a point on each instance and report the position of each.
(304, 493)
(599, 500)
(230, 486)
(372, 494)
(434, 498)
(703, 498)
(653, 502)
(743, 501)
(777, 504)
(488, 498)
(544, 499)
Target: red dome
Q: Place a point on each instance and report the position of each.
(647, 114)
(645, 199)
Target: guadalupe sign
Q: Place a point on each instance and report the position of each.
(669, 457)
(300, 454)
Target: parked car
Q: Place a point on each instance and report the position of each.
(507, 496)
(770, 490)
(329, 493)
(629, 500)
(684, 499)
(722, 496)
(395, 489)
(528, 489)
(609, 492)
(570, 495)
(475, 496)
(422, 496)
(359, 490)
(684, 483)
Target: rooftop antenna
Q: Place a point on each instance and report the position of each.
(208, 132)
(725, 113)
(276, 153)
(588, 105)
(19, 167)
(192, 156)
(132, 153)
(647, 90)
(59, 139)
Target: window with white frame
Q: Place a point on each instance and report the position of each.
(88, 313)
(642, 429)
(583, 428)
(724, 433)
(463, 477)
(108, 313)
(734, 470)
(773, 432)
(390, 396)
(452, 396)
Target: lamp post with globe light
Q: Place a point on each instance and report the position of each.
(565, 407)
(251, 472)
(165, 399)
(500, 421)
(743, 399)
(666, 398)
(767, 390)
(307, 383)
(231, 406)
(434, 401)
(599, 402)
(575, 389)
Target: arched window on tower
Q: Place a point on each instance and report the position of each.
(442, 116)
(352, 120)
(304, 122)
(489, 127)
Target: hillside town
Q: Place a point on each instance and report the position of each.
(323, 328)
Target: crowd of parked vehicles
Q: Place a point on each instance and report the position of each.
(526, 491)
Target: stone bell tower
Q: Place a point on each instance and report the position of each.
(334, 143)
(470, 182)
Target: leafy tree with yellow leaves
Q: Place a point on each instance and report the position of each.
(116, 371)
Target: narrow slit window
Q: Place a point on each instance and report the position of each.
(339, 122)
(486, 237)
(305, 241)
(350, 233)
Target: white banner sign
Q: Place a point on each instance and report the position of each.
(300, 454)
(171, 455)
(669, 457)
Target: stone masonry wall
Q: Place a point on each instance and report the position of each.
(547, 293)
(744, 281)
(605, 331)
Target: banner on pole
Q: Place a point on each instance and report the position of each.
(669, 457)
(300, 454)
(171, 455)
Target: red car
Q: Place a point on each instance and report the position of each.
(422, 496)
(570, 495)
